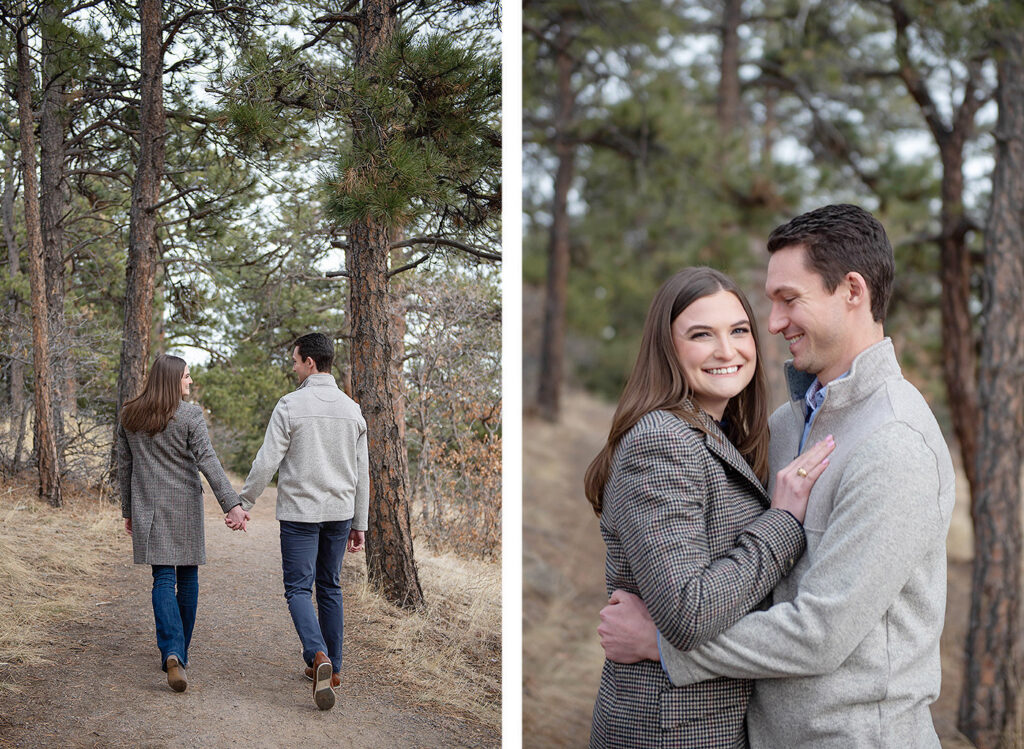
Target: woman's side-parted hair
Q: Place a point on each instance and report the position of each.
(657, 381)
(153, 409)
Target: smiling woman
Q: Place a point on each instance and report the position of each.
(715, 345)
(686, 520)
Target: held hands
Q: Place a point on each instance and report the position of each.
(356, 540)
(793, 483)
(236, 518)
(627, 631)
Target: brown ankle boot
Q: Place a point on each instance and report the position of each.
(176, 678)
(335, 678)
(323, 695)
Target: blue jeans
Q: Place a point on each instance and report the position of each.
(175, 612)
(313, 552)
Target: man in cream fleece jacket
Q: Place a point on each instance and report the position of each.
(848, 655)
(316, 439)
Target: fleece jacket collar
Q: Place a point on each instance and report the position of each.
(873, 366)
(321, 379)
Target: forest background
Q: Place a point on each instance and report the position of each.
(665, 133)
(214, 180)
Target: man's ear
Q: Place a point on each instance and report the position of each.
(857, 293)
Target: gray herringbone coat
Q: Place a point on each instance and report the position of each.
(688, 528)
(161, 491)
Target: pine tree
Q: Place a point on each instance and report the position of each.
(990, 702)
(45, 444)
(418, 155)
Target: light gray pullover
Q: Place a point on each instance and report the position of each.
(849, 654)
(317, 437)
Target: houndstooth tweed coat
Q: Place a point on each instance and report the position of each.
(688, 528)
(161, 491)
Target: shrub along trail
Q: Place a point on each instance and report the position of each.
(104, 686)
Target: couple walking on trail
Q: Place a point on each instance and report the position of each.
(316, 440)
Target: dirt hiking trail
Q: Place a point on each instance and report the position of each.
(246, 688)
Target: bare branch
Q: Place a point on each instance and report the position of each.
(171, 199)
(320, 35)
(190, 217)
(334, 18)
(408, 266)
(176, 24)
(83, 6)
(413, 241)
(475, 251)
(916, 85)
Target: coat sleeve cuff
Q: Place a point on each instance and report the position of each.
(783, 534)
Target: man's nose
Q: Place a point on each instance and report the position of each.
(777, 321)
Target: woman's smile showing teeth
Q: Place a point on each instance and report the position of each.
(715, 349)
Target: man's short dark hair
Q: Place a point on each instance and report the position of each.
(319, 348)
(839, 239)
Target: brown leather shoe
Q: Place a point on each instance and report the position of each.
(323, 695)
(176, 678)
(335, 678)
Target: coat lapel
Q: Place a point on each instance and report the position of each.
(724, 450)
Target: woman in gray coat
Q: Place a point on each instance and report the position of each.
(162, 445)
(688, 526)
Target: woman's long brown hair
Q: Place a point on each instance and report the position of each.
(153, 409)
(657, 381)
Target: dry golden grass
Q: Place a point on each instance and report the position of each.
(449, 653)
(46, 557)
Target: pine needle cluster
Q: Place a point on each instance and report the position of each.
(427, 137)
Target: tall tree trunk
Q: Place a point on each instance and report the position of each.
(398, 329)
(389, 553)
(553, 341)
(959, 363)
(53, 201)
(17, 368)
(959, 360)
(728, 105)
(18, 401)
(45, 446)
(143, 244)
(990, 703)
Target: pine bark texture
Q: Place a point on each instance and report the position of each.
(17, 369)
(398, 331)
(45, 445)
(553, 341)
(991, 700)
(391, 568)
(53, 203)
(143, 244)
(959, 363)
